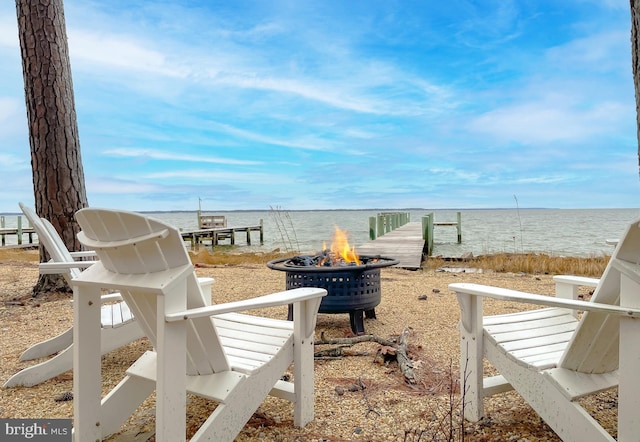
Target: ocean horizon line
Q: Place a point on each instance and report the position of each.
(405, 209)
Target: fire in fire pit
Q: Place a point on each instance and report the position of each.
(352, 282)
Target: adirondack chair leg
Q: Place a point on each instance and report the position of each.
(629, 397)
(471, 355)
(48, 347)
(303, 376)
(86, 364)
(48, 369)
(171, 388)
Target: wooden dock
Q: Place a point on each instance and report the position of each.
(213, 236)
(404, 243)
(18, 232)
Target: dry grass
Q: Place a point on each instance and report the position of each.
(205, 257)
(534, 264)
(19, 255)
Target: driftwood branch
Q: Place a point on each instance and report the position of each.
(403, 360)
(399, 350)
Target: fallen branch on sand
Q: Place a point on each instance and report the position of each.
(389, 350)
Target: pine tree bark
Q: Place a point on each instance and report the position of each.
(58, 176)
(635, 62)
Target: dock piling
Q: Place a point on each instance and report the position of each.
(19, 231)
(428, 223)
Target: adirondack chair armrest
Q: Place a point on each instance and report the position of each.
(52, 268)
(271, 300)
(577, 280)
(549, 301)
(567, 285)
(83, 254)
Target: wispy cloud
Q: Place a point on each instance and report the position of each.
(341, 104)
(168, 156)
(549, 121)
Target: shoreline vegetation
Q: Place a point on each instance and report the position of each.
(529, 263)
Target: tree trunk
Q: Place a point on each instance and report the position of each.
(58, 177)
(635, 62)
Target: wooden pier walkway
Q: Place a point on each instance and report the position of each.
(404, 244)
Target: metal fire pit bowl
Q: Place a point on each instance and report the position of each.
(353, 289)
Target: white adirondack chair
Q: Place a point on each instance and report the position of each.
(551, 356)
(118, 324)
(209, 350)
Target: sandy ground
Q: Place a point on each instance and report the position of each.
(357, 397)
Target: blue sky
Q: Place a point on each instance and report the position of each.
(340, 104)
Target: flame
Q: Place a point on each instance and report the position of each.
(340, 248)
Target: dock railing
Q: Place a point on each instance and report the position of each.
(428, 223)
(385, 222)
(211, 221)
(18, 231)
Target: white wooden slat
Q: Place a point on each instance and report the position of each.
(495, 385)
(529, 315)
(526, 325)
(203, 342)
(536, 342)
(250, 326)
(576, 385)
(125, 314)
(106, 316)
(586, 350)
(256, 347)
(115, 315)
(542, 362)
(538, 332)
(256, 358)
(242, 365)
(257, 320)
(602, 355)
(532, 352)
(226, 327)
(276, 341)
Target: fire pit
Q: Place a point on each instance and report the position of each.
(352, 288)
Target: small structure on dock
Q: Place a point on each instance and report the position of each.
(213, 228)
(211, 221)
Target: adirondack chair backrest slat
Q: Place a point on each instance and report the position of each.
(61, 253)
(594, 347)
(121, 241)
(51, 240)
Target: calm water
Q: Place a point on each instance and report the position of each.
(560, 232)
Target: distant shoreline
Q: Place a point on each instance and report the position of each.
(406, 209)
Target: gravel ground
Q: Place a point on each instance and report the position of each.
(358, 397)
